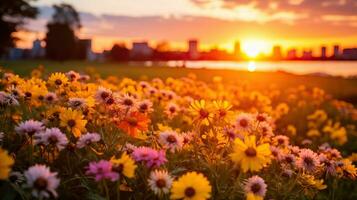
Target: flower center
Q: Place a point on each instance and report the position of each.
(190, 192)
(260, 118)
(128, 102)
(49, 98)
(281, 141)
(243, 123)
(255, 188)
(160, 183)
(172, 109)
(28, 94)
(104, 95)
(171, 139)
(40, 183)
(203, 113)
(289, 159)
(31, 132)
(71, 123)
(53, 139)
(308, 161)
(251, 152)
(222, 113)
(77, 103)
(143, 107)
(58, 82)
(110, 101)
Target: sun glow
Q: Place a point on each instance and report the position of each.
(251, 66)
(252, 48)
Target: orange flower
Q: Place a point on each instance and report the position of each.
(133, 122)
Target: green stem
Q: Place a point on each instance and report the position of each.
(106, 190)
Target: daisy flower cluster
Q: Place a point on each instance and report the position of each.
(79, 136)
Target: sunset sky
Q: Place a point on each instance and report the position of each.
(302, 23)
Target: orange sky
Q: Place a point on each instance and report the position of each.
(302, 23)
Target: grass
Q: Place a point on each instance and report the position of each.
(338, 87)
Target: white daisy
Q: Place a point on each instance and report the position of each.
(42, 181)
(171, 140)
(160, 182)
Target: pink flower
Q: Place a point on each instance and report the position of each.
(256, 186)
(29, 127)
(72, 75)
(171, 140)
(308, 160)
(151, 157)
(102, 170)
(244, 122)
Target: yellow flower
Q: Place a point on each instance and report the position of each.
(291, 130)
(191, 186)
(14, 80)
(318, 115)
(58, 79)
(248, 155)
(347, 169)
(6, 162)
(222, 110)
(125, 165)
(311, 181)
(282, 108)
(201, 111)
(34, 91)
(73, 121)
(251, 196)
(313, 133)
(340, 135)
(353, 157)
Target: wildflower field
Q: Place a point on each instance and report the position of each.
(70, 135)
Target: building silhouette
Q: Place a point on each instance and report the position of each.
(141, 50)
(323, 52)
(277, 52)
(37, 50)
(349, 54)
(292, 54)
(307, 55)
(237, 49)
(193, 49)
(336, 51)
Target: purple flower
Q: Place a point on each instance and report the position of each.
(52, 136)
(29, 127)
(87, 139)
(151, 157)
(102, 170)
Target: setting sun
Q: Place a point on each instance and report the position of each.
(252, 48)
(251, 66)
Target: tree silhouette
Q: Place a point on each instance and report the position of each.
(119, 52)
(12, 15)
(61, 35)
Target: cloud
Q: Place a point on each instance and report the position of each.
(209, 29)
(297, 9)
(179, 27)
